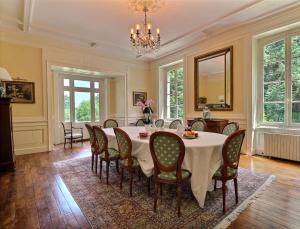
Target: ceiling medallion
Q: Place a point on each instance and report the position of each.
(142, 39)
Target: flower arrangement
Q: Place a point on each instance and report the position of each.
(146, 106)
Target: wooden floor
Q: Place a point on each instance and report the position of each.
(36, 197)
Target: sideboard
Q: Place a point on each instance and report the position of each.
(213, 125)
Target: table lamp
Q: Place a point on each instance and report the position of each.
(4, 76)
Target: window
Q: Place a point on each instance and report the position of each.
(174, 93)
(81, 101)
(82, 106)
(279, 73)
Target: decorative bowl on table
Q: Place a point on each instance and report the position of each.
(190, 134)
(143, 134)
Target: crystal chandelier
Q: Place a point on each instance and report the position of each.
(142, 39)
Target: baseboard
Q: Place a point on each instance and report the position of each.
(32, 150)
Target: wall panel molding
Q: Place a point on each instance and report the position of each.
(30, 137)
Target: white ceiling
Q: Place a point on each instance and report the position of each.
(108, 22)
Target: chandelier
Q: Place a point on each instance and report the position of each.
(142, 38)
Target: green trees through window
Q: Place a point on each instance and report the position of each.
(81, 101)
(281, 89)
(174, 106)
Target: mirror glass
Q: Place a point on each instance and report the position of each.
(213, 80)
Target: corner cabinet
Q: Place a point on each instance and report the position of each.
(7, 157)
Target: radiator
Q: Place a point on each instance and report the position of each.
(284, 146)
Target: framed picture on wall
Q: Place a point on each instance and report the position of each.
(20, 91)
(139, 96)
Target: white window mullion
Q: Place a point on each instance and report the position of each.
(72, 101)
(288, 81)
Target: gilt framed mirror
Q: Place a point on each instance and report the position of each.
(214, 80)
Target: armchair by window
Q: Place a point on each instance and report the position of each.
(71, 136)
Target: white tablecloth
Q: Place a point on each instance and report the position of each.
(203, 156)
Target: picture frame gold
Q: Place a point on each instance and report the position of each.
(20, 91)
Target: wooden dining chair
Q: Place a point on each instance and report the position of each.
(127, 161)
(175, 123)
(167, 151)
(199, 125)
(71, 136)
(93, 144)
(230, 128)
(159, 123)
(106, 154)
(110, 123)
(140, 122)
(229, 170)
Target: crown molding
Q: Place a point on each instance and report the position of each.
(117, 51)
(13, 35)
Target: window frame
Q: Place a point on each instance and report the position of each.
(92, 90)
(286, 36)
(165, 94)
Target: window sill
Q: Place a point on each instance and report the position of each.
(281, 129)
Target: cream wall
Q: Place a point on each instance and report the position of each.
(212, 86)
(31, 58)
(30, 123)
(242, 39)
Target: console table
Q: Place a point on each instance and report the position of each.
(213, 125)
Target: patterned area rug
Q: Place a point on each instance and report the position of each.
(106, 206)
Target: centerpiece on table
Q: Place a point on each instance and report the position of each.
(146, 109)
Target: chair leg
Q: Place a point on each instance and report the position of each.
(121, 180)
(71, 142)
(149, 183)
(155, 195)
(107, 171)
(65, 143)
(96, 163)
(139, 173)
(93, 161)
(224, 196)
(100, 172)
(117, 166)
(161, 189)
(131, 179)
(178, 193)
(236, 190)
(215, 187)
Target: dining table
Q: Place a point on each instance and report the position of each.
(203, 156)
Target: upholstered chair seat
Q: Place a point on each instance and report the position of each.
(110, 123)
(140, 122)
(229, 170)
(159, 123)
(175, 123)
(93, 145)
(171, 176)
(112, 154)
(135, 162)
(127, 161)
(74, 135)
(230, 128)
(199, 125)
(167, 151)
(70, 135)
(106, 154)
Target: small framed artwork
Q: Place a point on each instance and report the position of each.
(20, 91)
(139, 96)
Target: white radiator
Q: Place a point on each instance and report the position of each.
(284, 146)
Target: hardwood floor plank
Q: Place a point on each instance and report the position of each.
(35, 196)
